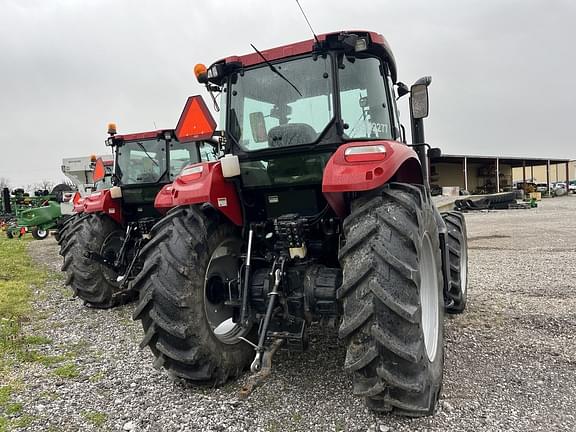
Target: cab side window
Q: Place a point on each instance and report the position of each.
(207, 152)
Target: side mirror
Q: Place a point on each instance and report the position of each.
(434, 153)
(258, 126)
(419, 101)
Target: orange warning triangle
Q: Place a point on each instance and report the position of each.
(99, 171)
(196, 122)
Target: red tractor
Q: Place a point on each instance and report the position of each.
(317, 212)
(101, 243)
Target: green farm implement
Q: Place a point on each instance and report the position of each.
(38, 215)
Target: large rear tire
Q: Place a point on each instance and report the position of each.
(68, 228)
(91, 281)
(457, 242)
(60, 223)
(392, 295)
(182, 289)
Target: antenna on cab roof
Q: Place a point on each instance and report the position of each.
(308, 22)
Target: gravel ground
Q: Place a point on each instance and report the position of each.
(510, 359)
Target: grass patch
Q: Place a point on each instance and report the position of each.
(43, 359)
(339, 426)
(97, 377)
(23, 421)
(18, 278)
(13, 408)
(96, 418)
(73, 350)
(10, 409)
(296, 418)
(68, 371)
(37, 340)
(5, 393)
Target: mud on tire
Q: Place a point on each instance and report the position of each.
(90, 281)
(391, 264)
(172, 302)
(457, 244)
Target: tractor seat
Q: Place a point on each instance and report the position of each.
(291, 134)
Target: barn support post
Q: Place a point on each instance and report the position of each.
(465, 173)
(497, 175)
(548, 177)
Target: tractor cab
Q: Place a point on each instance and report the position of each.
(113, 223)
(286, 110)
(144, 163)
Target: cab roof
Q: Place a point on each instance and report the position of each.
(377, 45)
(142, 135)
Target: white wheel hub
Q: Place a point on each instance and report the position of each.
(429, 298)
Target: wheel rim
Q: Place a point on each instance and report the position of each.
(223, 268)
(41, 233)
(109, 250)
(429, 299)
(463, 265)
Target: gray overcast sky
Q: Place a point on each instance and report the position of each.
(502, 69)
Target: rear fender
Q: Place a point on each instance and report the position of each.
(400, 163)
(77, 203)
(164, 201)
(204, 183)
(102, 202)
(79, 206)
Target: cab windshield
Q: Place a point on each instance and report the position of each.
(146, 161)
(267, 111)
(141, 161)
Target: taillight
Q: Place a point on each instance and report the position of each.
(369, 153)
(191, 173)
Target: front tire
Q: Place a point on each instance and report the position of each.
(91, 281)
(182, 298)
(392, 295)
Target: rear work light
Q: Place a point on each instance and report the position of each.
(200, 73)
(369, 153)
(112, 129)
(191, 173)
